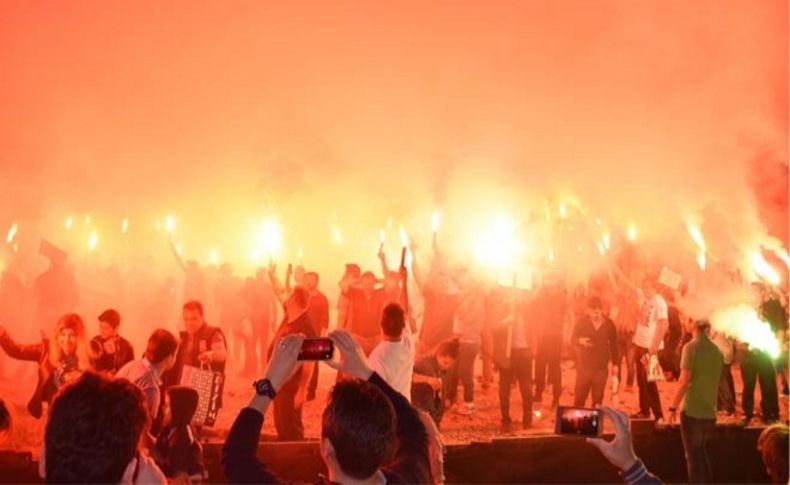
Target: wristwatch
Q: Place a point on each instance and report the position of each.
(264, 387)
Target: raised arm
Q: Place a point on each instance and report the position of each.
(279, 291)
(176, 255)
(415, 268)
(239, 454)
(32, 352)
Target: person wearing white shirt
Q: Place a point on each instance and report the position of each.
(393, 357)
(648, 340)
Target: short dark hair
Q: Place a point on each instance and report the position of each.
(359, 421)
(393, 320)
(773, 445)
(368, 275)
(594, 303)
(703, 325)
(183, 404)
(194, 305)
(112, 317)
(161, 345)
(94, 430)
(449, 347)
(312, 274)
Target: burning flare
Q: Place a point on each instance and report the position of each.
(170, 223)
(93, 240)
(742, 322)
(696, 234)
(435, 221)
(763, 269)
(12, 233)
(125, 225)
(631, 233)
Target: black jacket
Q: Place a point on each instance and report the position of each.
(410, 465)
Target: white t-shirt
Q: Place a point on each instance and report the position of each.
(651, 310)
(394, 362)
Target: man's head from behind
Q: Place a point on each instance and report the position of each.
(161, 348)
(94, 430)
(393, 321)
(773, 446)
(310, 281)
(357, 431)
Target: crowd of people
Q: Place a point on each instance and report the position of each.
(399, 371)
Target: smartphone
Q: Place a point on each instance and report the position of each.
(579, 421)
(316, 349)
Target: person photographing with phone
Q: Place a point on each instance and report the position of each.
(365, 420)
(293, 392)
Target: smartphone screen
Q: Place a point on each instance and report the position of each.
(316, 349)
(579, 421)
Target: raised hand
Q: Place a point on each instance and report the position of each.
(619, 451)
(284, 364)
(352, 358)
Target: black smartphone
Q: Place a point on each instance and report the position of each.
(316, 349)
(579, 421)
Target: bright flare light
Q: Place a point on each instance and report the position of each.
(631, 234)
(170, 223)
(743, 323)
(782, 254)
(93, 240)
(382, 236)
(496, 247)
(337, 236)
(563, 210)
(271, 239)
(125, 225)
(213, 256)
(607, 240)
(69, 223)
(404, 238)
(763, 269)
(12, 233)
(696, 234)
(435, 221)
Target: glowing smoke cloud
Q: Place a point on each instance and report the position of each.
(743, 323)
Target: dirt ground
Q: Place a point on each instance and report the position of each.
(456, 429)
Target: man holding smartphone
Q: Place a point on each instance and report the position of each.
(596, 338)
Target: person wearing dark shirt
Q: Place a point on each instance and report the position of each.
(318, 311)
(513, 343)
(439, 305)
(364, 422)
(113, 351)
(430, 380)
(180, 451)
(200, 345)
(288, 408)
(756, 364)
(262, 312)
(551, 310)
(596, 337)
(366, 303)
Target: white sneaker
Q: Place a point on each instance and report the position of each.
(465, 409)
(660, 423)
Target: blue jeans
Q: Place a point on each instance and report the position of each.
(695, 433)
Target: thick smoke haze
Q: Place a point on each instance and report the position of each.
(344, 114)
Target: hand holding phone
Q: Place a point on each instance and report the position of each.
(579, 421)
(316, 349)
